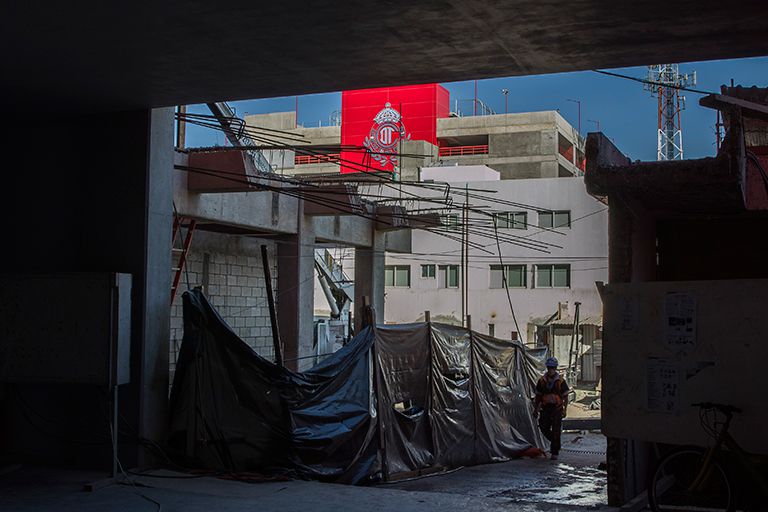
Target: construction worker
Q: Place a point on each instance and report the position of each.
(551, 404)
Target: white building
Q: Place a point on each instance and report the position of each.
(554, 247)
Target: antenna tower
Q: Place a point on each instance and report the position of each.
(667, 81)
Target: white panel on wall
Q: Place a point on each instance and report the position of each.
(670, 344)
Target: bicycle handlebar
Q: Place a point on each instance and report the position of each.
(725, 409)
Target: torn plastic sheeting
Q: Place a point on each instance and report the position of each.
(446, 397)
(232, 410)
(403, 356)
(452, 408)
(505, 427)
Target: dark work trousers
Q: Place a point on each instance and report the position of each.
(551, 425)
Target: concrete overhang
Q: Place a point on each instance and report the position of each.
(676, 187)
(274, 212)
(109, 56)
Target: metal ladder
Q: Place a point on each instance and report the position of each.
(180, 222)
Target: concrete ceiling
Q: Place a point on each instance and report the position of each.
(103, 55)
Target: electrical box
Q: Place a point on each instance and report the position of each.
(65, 328)
(667, 345)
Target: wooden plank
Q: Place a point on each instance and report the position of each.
(748, 108)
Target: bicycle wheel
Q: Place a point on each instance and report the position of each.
(682, 482)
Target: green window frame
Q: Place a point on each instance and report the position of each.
(449, 276)
(553, 276)
(398, 276)
(555, 219)
(511, 220)
(517, 276)
(451, 221)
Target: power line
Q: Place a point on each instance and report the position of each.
(651, 82)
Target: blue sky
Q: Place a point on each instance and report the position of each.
(626, 112)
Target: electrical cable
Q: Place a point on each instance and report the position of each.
(751, 156)
(651, 82)
(420, 477)
(504, 281)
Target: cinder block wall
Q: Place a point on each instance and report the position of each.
(230, 270)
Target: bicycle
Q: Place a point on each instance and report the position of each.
(704, 479)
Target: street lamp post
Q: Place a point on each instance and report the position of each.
(505, 92)
(578, 105)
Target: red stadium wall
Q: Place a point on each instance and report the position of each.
(375, 130)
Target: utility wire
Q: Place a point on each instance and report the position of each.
(651, 82)
(506, 285)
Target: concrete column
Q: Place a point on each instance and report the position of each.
(155, 315)
(369, 278)
(295, 294)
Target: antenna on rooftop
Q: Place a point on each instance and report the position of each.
(666, 85)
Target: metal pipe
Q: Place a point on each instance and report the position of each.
(335, 312)
(272, 313)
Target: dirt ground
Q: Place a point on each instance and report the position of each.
(585, 405)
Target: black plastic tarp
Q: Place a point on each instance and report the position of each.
(437, 396)
(232, 410)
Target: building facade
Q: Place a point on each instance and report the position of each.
(551, 250)
(518, 145)
(525, 171)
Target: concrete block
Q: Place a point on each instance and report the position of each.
(231, 280)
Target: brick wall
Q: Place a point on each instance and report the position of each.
(229, 269)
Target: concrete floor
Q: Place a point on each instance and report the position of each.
(573, 483)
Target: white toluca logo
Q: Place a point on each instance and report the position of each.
(386, 132)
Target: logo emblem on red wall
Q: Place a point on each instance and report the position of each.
(386, 132)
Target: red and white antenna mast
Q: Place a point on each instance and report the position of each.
(666, 83)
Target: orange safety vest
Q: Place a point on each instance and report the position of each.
(553, 396)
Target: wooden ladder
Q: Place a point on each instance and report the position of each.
(180, 222)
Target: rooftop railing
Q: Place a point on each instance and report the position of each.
(481, 149)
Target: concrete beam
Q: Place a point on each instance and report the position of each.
(177, 54)
(257, 211)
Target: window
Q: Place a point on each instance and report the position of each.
(553, 276)
(516, 276)
(449, 276)
(491, 330)
(428, 271)
(451, 221)
(511, 220)
(397, 275)
(555, 219)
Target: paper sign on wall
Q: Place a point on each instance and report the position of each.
(680, 321)
(628, 314)
(663, 385)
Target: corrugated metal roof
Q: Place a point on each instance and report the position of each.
(567, 319)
